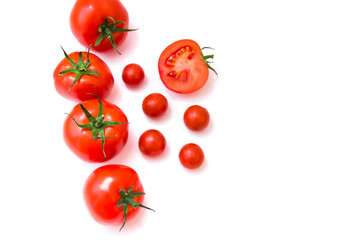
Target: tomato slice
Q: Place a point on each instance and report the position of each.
(182, 68)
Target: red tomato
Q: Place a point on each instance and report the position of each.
(112, 193)
(102, 24)
(79, 74)
(152, 142)
(133, 74)
(191, 156)
(154, 105)
(196, 118)
(183, 68)
(96, 139)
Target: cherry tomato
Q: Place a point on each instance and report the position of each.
(154, 105)
(196, 118)
(101, 24)
(182, 66)
(152, 142)
(191, 156)
(96, 130)
(133, 74)
(81, 73)
(112, 194)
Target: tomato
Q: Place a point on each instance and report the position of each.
(81, 73)
(183, 68)
(152, 142)
(196, 118)
(112, 194)
(96, 130)
(191, 156)
(133, 74)
(154, 105)
(101, 24)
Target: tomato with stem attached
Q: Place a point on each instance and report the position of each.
(79, 74)
(96, 130)
(101, 24)
(113, 193)
(183, 68)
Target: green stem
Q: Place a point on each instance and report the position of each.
(127, 198)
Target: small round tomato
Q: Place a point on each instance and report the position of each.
(154, 105)
(152, 142)
(96, 130)
(101, 24)
(196, 118)
(133, 74)
(191, 156)
(79, 74)
(183, 68)
(112, 194)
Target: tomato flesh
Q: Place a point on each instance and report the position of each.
(182, 68)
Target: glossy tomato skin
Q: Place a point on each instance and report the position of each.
(80, 140)
(152, 142)
(133, 74)
(196, 118)
(100, 85)
(101, 193)
(191, 156)
(182, 68)
(155, 105)
(88, 15)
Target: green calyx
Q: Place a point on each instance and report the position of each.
(80, 68)
(127, 198)
(107, 30)
(97, 124)
(206, 57)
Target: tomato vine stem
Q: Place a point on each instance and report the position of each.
(107, 29)
(96, 125)
(127, 198)
(80, 68)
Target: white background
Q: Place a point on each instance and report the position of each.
(282, 149)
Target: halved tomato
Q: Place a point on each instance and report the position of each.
(183, 68)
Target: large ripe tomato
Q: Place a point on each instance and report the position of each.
(81, 73)
(99, 23)
(112, 193)
(96, 130)
(183, 68)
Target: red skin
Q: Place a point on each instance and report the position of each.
(101, 84)
(152, 142)
(154, 105)
(88, 15)
(191, 156)
(133, 74)
(80, 141)
(196, 118)
(101, 193)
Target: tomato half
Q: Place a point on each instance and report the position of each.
(100, 139)
(112, 194)
(182, 66)
(75, 79)
(108, 19)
